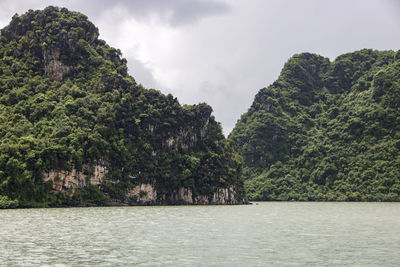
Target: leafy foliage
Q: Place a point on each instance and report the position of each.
(66, 101)
(5, 203)
(325, 131)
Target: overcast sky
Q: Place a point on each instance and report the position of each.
(223, 51)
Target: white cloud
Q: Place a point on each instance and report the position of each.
(223, 52)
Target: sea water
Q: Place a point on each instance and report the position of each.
(262, 234)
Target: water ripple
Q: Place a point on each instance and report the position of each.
(268, 234)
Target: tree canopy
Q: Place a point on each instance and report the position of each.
(67, 102)
(325, 130)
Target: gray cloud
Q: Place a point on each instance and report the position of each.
(223, 51)
(172, 12)
(143, 73)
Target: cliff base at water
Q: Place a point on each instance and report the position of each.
(327, 131)
(76, 129)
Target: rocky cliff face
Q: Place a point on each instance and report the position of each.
(142, 194)
(66, 99)
(147, 194)
(325, 130)
(69, 181)
(53, 67)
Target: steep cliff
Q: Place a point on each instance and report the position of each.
(325, 130)
(76, 129)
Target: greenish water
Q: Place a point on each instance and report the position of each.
(267, 234)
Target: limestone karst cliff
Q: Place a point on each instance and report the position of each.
(76, 129)
(325, 130)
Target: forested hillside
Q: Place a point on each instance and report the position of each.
(325, 130)
(76, 129)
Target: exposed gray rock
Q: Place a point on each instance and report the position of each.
(69, 180)
(53, 67)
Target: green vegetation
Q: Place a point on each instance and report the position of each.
(67, 102)
(5, 203)
(325, 130)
